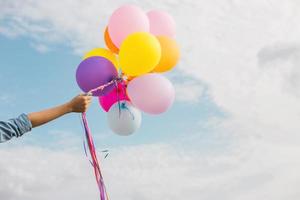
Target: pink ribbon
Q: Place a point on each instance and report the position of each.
(94, 159)
(91, 146)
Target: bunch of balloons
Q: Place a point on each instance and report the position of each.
(126, 77)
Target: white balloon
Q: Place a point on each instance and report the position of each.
(123, 118)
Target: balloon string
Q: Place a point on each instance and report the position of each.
(118, 98)
(84, 143)
(97, 171)
(85, 152)
(102, 87)
(95, 163)
(123, 106)
(90, 142)
(123, 90)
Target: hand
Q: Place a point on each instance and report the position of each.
(80, 103)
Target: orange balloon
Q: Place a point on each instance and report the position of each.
(129, 78)
(109, 42)
(170, 54)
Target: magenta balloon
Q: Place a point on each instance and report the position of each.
(117, 94)
(161, 23)
(125, 21)
(151, 93)
(94, 72)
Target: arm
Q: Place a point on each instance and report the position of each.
(79, 104)
(24, 123)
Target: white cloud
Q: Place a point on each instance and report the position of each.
(73, 23)
(189, 91)
(158, 171)
(225, 51)
(36, 173)
(246, 52)
(40, 47)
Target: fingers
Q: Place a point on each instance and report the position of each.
(80, 103)
(86, 94)
(84, 98)
(87, 102)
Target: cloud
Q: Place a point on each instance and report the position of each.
(71, 23)
(154, 171)
(40, 47)
(284, 59)
(189, 91)
(36, 173)
(225, 52)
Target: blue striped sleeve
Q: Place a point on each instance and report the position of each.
(14, 127)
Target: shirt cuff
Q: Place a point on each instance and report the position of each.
(24, 123)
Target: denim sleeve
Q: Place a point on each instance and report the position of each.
(14, 127)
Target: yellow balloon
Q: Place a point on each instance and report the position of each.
(169, 54)
(139, 53)
(103, 53)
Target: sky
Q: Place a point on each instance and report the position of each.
(232, 133)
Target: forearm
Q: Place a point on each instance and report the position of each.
(45, 116)
(24, 123)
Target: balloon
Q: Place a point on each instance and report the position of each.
(103, 53)
(123, 118)
(169, 54)
(109, 43)
(139, 54)
(151, 93)
(129, 78)
(125, 21)
(94, 72)
(117, 94)
(161, 23)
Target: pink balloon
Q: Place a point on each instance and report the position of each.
(151, 93)
(161, 23)
(118, 93)
(126, 20)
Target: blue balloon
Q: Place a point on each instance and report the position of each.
(123, 118)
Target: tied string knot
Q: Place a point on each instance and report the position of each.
(115, 81)
(123, 106)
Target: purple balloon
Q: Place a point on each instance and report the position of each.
(94, 72)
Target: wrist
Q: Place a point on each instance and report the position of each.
(68, 107)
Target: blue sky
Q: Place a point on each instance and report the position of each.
(34, 80)
(232, 134)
